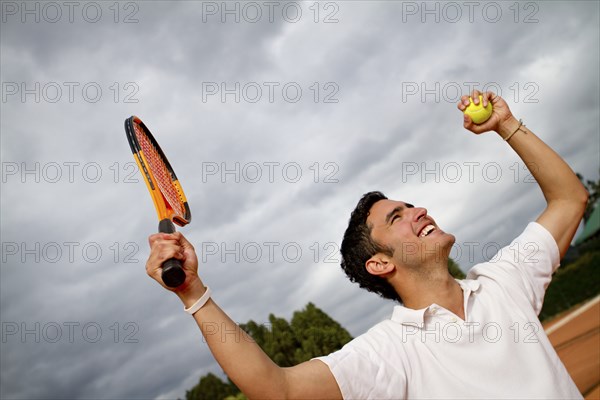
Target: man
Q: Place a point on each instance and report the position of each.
(476, 338)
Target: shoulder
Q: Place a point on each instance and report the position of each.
(523, 267)
(366, 360)
(533, 248)
(372, 343)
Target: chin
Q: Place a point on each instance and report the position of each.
(447, 240)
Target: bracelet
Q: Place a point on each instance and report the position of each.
(521, 124)
(200, 303)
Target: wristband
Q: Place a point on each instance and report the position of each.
(200, 303)
(521, 124)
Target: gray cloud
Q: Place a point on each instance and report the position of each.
(82, 192)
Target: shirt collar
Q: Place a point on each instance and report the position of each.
(408, 316)
(471, 284)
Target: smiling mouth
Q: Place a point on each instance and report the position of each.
(427, 230)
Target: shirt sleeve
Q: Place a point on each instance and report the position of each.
(354, 383)
(361, 372)
(525, 265)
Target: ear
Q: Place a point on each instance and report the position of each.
(380, 265)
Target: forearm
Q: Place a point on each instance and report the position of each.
(566, 197)
(554, 176)
(237, 353)
(241, 358)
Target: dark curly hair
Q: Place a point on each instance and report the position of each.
(358, 246)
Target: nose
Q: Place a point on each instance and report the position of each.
(419, 213)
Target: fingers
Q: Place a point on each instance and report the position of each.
(467, 121)
(163, 246)
(487, 97)
(176, 236)
(463, 103)
(160, 236)
(187, 251)
(500, 113)
(468, 124)
(184, 242)
(476, 129)
(475, 96)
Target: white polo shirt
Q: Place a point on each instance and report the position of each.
(500, 350)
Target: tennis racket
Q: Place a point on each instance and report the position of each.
(165, 190)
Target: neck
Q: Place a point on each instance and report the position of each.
(420, 290)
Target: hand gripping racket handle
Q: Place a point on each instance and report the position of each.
(172, 271)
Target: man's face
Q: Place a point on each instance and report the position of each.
(413, 235)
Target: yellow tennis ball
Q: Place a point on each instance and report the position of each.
(477, 112)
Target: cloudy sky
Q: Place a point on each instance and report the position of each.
(277, 117)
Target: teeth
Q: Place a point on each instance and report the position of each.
(427, 230)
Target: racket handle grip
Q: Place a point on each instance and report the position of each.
(172, 271)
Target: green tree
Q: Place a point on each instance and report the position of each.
(280, 343)
(573, 283)
(310, 333)
(316, 333)
(594, 190)
(210, 387)
(455, 270)
(239, 396)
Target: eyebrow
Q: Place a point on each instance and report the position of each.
(398, 209)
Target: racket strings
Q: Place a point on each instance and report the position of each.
(159, 170)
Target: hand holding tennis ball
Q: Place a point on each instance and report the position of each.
(477, 112)
(496, 116)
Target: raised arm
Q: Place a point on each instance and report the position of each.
(239, 356)
(566, 197)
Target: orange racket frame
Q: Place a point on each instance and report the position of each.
(167, 195)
